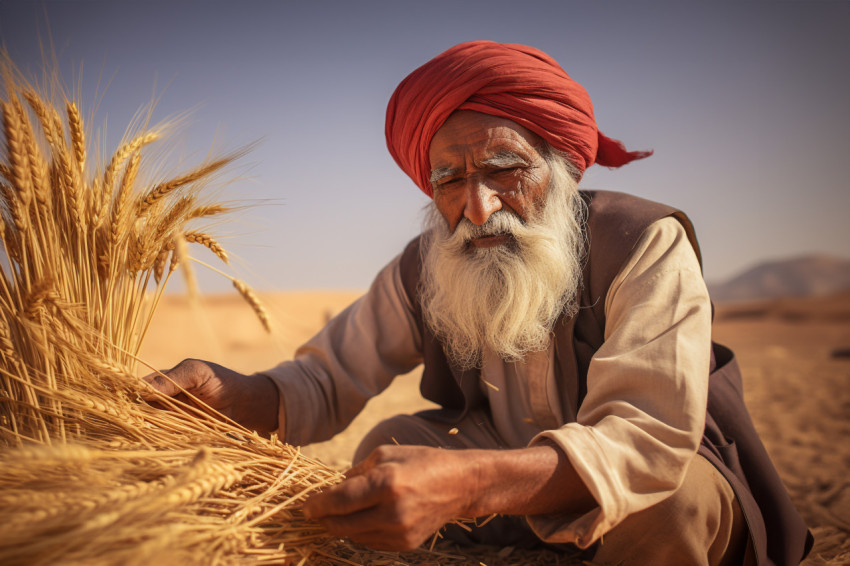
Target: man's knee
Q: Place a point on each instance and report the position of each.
(400, 429)
(422, 429)
(700, 523)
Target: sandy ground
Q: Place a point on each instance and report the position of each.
(795, 358)
(795, 355)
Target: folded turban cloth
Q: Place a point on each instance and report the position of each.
(512, 81)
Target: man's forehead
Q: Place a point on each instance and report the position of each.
(493, 152)
(480, 136)
(484, 147)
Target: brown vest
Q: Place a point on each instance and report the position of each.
(614, 224)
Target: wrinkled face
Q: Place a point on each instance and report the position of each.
(481, 164)
(503, 260)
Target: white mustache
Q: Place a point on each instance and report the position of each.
(501, 222)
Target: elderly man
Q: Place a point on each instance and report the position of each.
(565, 334)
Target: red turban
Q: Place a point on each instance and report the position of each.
(512, 81)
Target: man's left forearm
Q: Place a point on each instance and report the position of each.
(528, 481)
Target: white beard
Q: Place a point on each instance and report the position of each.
(507, 297)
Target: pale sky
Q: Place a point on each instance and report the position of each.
(746, 104)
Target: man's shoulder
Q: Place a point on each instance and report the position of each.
(616, 220)
(615, 223)
(607, 205)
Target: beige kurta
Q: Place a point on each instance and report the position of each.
(638, 427)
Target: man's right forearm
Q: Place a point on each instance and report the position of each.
(354, 357)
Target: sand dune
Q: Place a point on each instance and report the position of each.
(793, 277)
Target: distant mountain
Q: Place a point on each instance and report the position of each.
(797, 277)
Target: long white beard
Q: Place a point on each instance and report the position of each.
(508, 297)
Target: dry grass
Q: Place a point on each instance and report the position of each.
(90, 472)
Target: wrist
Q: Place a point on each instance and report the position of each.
(478, 466)
(259, 404)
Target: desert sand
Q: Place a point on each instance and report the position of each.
(794, 353)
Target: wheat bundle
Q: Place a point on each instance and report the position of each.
(90, 473)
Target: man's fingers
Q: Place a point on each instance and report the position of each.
(361, 468)
(188, 375)
(161, 384)
(361, 528)
(375, 528)
(350, 496)
(380, 455)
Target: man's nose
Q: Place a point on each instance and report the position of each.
(481, 202)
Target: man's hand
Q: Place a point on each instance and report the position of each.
(250, 400)
(400, 495)
(397, 497)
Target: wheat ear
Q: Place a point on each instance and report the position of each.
(48, 122)
(208, 242)
(163, 189)
(122, 154)
(6, 172)
(38, 167)
(254, 300)
(78, 136)
(19, 162)
(208, 210)
(162, 260)
(118, 158)
(123, 196)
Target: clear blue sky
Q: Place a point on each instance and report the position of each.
(746, 104)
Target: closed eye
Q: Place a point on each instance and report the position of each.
(447, 184)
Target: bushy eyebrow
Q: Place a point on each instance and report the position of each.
(441, 173)
(504, 158)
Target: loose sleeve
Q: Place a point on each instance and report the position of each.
(353, 358)
(643, 417)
